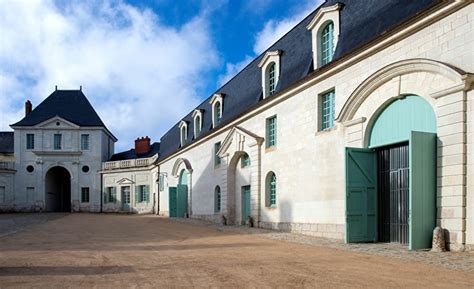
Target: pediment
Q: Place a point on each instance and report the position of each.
(238, 138)
(321, 13)
(125, 181)
(57, 122)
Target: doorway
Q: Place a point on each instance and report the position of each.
(245, 204)
(126, 198)
(58, 190)
(393, 171)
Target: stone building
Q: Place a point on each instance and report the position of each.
(358, 124)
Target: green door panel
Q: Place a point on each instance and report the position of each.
(422, 207)
(173, 202)
(361, 196)
(182, 203)
(396, 122)
(245, 203)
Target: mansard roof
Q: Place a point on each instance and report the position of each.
(130, 154)
(6, 142)
(361, 22)
(71, 105)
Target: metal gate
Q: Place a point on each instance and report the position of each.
(393, 193)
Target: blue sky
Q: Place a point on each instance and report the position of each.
(142, 64)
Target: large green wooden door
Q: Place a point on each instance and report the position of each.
(361, 195)
(245, 203)
(422, 208)
(182, 204)
(173, 202)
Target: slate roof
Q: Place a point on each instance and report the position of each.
(6, 142)
(71, 105)
(130, 154)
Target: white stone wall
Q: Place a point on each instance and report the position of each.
(309, 165)
(131, 178)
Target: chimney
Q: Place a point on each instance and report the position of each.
(142, 145)
(28, 107)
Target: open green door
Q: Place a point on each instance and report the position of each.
(361, 195)
(422, 208)
(182, 204)
(173, 202)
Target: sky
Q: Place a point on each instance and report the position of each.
(142, 64)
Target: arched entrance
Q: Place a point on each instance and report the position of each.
(392, 183)
(239, 188)
(178, 196)
(58, 190)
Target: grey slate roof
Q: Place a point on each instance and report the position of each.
(361, 22)
(130, 154)
(71, 105)
(6, 142)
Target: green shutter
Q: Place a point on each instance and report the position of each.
(106, 196)
(422, 218)
(182, 201)
(173, 202)
(135, 201)
(361, 197)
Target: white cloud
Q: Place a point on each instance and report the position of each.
(139, 74)
(274, 29)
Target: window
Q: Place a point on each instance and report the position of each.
(57, 141)
(30, 168)
(162, 182)
(271, 189)
(245, 161)
(271, 131)
(327, 110)
(85, 195)
(183, 126)
(30, 141)
(85, 142)
(218, 110)
(85, 169)
(327, 43)
(110, 195)
(143, 194)
(197, 126)
(217, 159)
(271, 79)
(217, 199)
(2, 194)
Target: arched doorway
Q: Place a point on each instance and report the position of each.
(391, 184)
(58, 190)
(178, 197)
(239, 189)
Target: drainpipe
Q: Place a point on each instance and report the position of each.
(101, 193)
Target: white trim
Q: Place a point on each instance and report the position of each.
(183, 137)
(197, 113)
(217, 98)
(269, 58)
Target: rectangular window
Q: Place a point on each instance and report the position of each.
(271, 131)
(217, 159)
(327, 110)
(58, 139)
(85, 195)
(162, 182)
(30, 141)
(110, 195)
(143, 194)
(84, 142)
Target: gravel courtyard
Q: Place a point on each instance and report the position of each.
(124, 251)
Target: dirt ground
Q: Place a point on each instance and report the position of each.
(121, 251)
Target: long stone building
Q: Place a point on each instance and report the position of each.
(357, 124)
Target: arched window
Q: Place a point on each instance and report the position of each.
(218, 112)
(271, 76)
(245, 161)
(184, 135)
(327, 43)
(217, 199)
(271, 192)
(197, 126)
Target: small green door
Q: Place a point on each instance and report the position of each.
(422, 207)
(245, 203)
(361, 196)
(126, 198)
(173, 202)
(182, 203)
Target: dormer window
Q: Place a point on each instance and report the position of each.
(325, 33)
(217, 108)
(270, 65)
(197, 116)
(183, 126)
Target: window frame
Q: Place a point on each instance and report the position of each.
(85, 142)
(143, 193)
(326, 40)
(271, 140)
(327, 110)
(245, 161)
(217, 159)
(271, 190)
(217, 199)
(30, 141)
(85, 190)
(57, 145)
(271, 78)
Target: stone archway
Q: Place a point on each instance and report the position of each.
(182, 172)
(58, 190)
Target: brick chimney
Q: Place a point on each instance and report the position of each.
(28, 107)
(142, 145)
